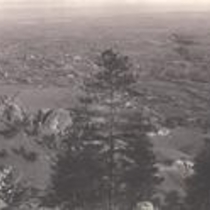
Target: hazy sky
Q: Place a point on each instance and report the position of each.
(90, 3)
(25, 8)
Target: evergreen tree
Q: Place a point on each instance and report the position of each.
(80, 173)
(198, 191)
(109, 158)
(134, 171)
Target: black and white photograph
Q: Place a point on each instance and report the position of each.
(104, 104)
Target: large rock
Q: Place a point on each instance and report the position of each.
(184, 167)
(49, 122)
(145, 205)
(55, 122)
(11, 113)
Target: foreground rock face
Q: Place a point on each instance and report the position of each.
(7, 182)
(45, 121)
(24, 138)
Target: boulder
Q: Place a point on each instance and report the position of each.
(145, 205)
(11, 113)
(55, 122)
(184, 167)
(49, 122)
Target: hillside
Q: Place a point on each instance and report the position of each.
(43, 65)
(170, 106)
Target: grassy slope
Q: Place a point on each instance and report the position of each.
(182, 141)
(37, 172)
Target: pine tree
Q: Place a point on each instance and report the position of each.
(79, 174)
(109, 158)
(135, 174)
(111, 85)
(80, 171)
(198, 191)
